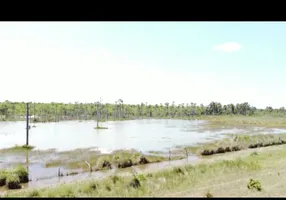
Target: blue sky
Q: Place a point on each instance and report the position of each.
(154, 62)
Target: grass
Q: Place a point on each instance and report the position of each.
(119, 159)
(146, 184)
(237, 142)
(100, 127)
(13, 177)
(18, 148)
(224, 175)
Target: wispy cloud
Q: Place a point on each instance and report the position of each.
(227, 47)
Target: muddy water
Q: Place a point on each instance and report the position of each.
(143, 135)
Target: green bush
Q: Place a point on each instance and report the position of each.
(12, 181)
(22, 173)
(3, 175)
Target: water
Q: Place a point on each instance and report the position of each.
(143, 135)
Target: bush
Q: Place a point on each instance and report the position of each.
(124, 163)
(227, 149)
(3, 175)
(143, 160)
(220, 150)
(13, 181)
(22, 173)
(254, 184)
(106, 164)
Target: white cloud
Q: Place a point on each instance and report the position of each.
(227, 47)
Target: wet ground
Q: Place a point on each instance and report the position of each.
(142, 135)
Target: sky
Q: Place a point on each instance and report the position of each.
(153, 62)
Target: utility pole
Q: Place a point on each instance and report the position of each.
(27, 124)
(34, 113)
(56, 114)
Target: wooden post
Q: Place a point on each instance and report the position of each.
(27, 124)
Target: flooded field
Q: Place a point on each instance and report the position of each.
(53, 141)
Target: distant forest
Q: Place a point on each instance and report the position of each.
(119, 111)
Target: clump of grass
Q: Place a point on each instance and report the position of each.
(254, 184)
(12, 181)
(22, 173)
(3, 175)
(18, 148)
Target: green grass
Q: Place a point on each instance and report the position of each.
(13, 177)
(3, 175)
(240, 141)
(120, 159)
(146, 184)
(18, 148)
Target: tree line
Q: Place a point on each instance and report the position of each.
(120, 111)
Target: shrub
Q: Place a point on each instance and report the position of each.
(22, 173)
(13, 181)
(143, 160)
(220, 150)
(227, 149)
(124, 163)
(106, 164)
(3, 175)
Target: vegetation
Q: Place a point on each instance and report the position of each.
(237, 143)
(18, 148)
(254, 184)
(44, 112)
(118, 159)
(13, 178)
(150, 184)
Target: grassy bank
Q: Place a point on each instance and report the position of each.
(238, 174)
(237, 143)
(117, 159)
(17, 148)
